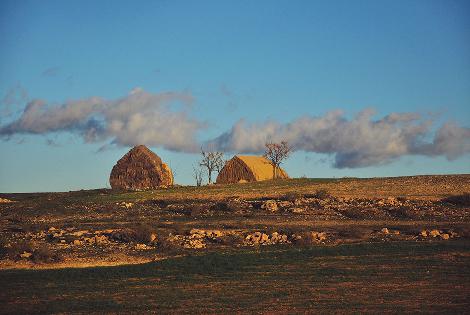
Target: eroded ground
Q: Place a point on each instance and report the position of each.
(103, 227)
(393, 245)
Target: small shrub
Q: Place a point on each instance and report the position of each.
(402, 198)
(180, 229)
(232, 240)
(164, 245)
(3, 247)
(322, 194)
(197, 210)
(401, 212)
(305, 240)
(19, 248)
(20, 223)
(44, 255)
(291, 196)
(141, 233)
(458, 200)
(225, 207)
(356, 233)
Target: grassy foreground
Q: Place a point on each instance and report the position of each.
(404, 277)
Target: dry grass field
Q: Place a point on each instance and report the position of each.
(394, 245)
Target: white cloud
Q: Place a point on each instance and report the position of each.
(146, 118)
(139, 117)
(357, 142)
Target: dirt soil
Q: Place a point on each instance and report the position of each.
(107, 228)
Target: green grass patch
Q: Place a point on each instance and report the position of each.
(372, 277)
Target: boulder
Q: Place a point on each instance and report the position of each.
(140, 169)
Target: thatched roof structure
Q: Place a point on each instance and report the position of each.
(247, 168)
(140, 169)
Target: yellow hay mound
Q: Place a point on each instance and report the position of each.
(248, 168)
(140, 169)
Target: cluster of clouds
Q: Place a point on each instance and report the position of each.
(139, 117)
(146, 118)
(357, 142)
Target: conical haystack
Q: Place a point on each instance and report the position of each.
(140, 169)
(248, 168)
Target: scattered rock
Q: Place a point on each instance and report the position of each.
(194, 241)
(57, 234)
(258, 238)
(270, 205)
(89, 240)
(77, 242)
(424, 233)
(26, 255)
(284, 204)
(318, 236)
(445, 236)
(99, 240)
(194, 244)
(210, 234)
(264, 238)
(79, 233)
(434, 233)
(275, 237)
(142, 247)
(4, 200)
(126, 205)
(385, 231)
(298, 210)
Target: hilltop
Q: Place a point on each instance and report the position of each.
(103, 226)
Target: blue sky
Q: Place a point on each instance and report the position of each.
(260, 61)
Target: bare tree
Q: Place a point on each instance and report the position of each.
(276, 153)
(212, 161)
(198, 173)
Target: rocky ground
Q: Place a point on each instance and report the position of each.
(108, 228)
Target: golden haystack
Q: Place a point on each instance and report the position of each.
(247, 168)
(140, 169)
